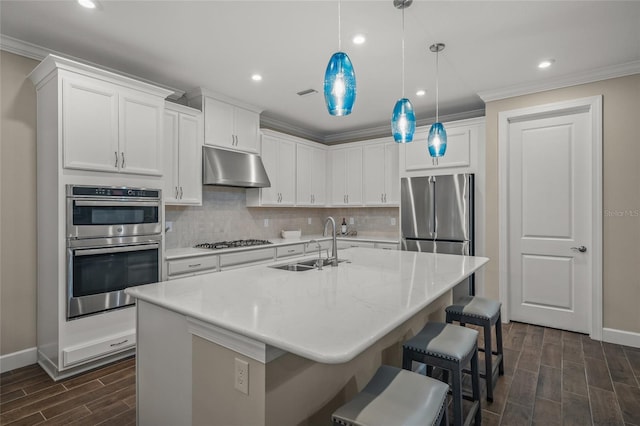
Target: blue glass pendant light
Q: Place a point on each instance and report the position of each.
(437, 139)
(403, 119)
(339, 81)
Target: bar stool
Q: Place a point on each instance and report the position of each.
(485, 313)
(396, 397)
(451, 348)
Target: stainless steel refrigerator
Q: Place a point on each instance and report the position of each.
(437, 217)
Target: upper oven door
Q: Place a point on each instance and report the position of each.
(99, 218)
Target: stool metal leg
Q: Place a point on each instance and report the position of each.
(499, 344)
(475, 384)
(456, 391)
(487, 361)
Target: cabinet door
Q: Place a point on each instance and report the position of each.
(319, 176)
(338, 177)
(353, 183)
(286, 180)
(247, 130)
(270, 160)
(391, 174)
(190, 160)
(304, 175)
(374, 174)
(218, 121)
(90, 125)
(140, 133)
(170, 192)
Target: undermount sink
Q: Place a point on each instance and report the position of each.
(304, 265)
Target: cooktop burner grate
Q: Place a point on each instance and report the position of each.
(232, 244)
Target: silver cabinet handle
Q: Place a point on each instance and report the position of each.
(581, 249)
(119, 343)
(122, 154)
(311, 198)
(181, 193)
(116, 164)
(344, 199)
(176, 192)
(195, 265)
(382, 198)
(385, 198)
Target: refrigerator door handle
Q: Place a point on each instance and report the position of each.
(432, 193)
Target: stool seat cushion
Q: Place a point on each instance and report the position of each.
(444, 340)
(395, 397)
(477, 307)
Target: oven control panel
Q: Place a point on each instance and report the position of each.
(102, 191)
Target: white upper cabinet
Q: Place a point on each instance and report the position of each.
(110, 128)
(465, 142)
(228, 123)
(279, 159)
(311, 164)
(346, 176)
(381, 180)
(183, 155)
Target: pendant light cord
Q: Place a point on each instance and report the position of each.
(339, 29)
(437, 82)
(403, 51)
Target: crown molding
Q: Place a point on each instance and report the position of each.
(598, 74)
(33, 51)
(380, 131)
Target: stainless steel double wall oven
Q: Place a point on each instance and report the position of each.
(114, 241)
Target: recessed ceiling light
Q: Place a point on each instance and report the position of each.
(546, 63)
(421, 92)
(256, 77)
(89, 4)
(359, 39)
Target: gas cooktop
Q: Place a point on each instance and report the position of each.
(232, 244)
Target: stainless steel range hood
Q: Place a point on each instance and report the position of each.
(231, 168)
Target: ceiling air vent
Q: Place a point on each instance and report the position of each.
(307, 92)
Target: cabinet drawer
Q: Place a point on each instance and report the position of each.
(348, 244)
(387, 246)
(286, 251)
(243, 257)
(95, 349)
(192, 264)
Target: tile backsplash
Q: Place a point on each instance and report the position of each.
(225, 216)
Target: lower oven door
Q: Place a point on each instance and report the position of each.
(98, 272)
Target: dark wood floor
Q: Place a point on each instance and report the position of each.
(106, 396)
(552, 377)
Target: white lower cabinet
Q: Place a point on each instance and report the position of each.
(191, 265)
(99, 348)
(183, 159)
(245, 258)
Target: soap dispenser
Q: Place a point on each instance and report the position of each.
(343, 228)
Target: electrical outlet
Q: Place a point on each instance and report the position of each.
(393, 221)
(308, 221)
(168, 226)
(266, 223)
(351, 221)
(242, 376)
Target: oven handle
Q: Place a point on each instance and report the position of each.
(89, 203)
(121, 249)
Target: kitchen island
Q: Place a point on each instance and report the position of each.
(261, 345)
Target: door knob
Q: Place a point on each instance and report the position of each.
(581, 249)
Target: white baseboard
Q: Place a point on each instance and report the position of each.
(18, 359)
(621, 337)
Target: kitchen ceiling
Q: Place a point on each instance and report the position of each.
(490, 46)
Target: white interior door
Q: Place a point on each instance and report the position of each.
(550, 219)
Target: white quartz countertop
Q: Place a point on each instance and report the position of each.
(185, 252)
(329, 316)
